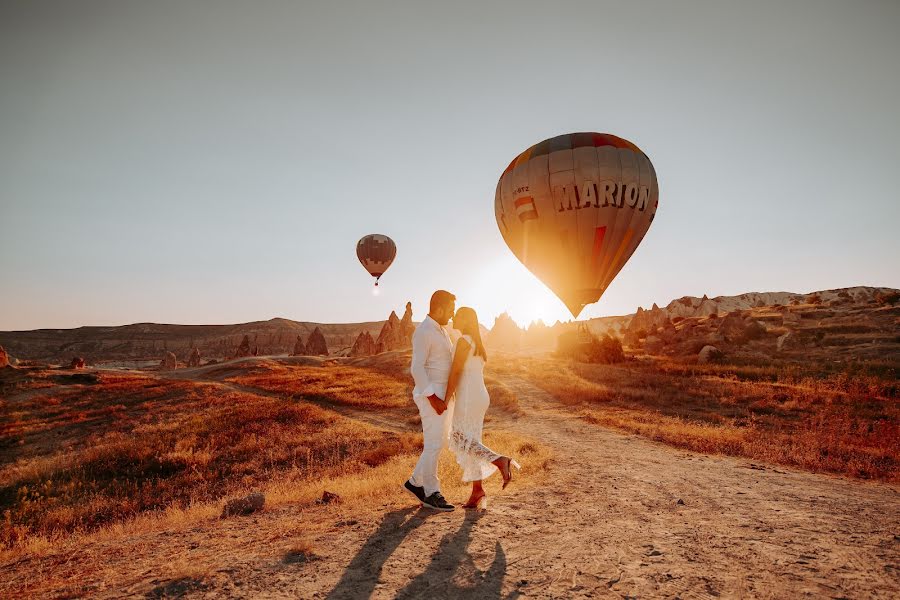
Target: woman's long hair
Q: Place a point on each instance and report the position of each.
(471, 318)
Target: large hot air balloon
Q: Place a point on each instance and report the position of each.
(376, 253)
(574, 208)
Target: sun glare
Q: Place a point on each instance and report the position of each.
(504, 285)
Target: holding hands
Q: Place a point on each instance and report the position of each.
(437, 404)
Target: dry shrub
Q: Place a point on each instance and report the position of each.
(887, 298)
(837, 422)
(171, 444)
(172, 450)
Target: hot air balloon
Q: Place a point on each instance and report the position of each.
(376, 253)
(574, 208)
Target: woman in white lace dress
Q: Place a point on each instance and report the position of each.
(466, 381)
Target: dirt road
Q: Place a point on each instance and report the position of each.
(629, 518)
(620, 517)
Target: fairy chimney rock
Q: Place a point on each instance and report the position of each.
(168, 362)
(299, 347)
(244, 349)
(316, 345)
(193, 359)
(77, 363)
(364, 345)
(406, 324)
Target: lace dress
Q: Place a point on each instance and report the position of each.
(472, 401)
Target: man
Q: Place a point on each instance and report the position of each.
(430, 368)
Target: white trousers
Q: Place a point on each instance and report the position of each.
(435, 431)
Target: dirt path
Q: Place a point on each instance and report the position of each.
(616, 528)
(612, 526)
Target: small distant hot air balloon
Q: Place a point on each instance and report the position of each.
(376, 252)
(574, 208)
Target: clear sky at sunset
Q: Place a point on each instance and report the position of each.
(216, 162)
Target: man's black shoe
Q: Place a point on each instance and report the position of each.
(416, 490)
(437, 502)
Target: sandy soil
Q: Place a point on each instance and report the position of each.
(625, 517)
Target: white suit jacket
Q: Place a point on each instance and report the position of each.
(431, 358)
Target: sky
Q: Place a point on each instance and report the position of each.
(216, 162)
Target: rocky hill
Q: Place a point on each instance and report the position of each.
(849, 324)
(857, 321)
(150, 341)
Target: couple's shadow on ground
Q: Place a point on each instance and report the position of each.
(450, 573)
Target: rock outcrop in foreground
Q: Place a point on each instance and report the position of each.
(4, 358)
(77, 363)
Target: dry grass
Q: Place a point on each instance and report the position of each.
(845, 423)
(128, 454)
(87, 458)
(347, 385)
(381, 381)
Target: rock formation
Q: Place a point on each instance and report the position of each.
(709, 354)
(789, 318)
(653, 344)
(244, 506)
(299, 347)
(364, 345)
(244, 349)
(406, 325)
(391, 336)
(77, 363)
(316, 345)
(193, 358)
(505, 334)
(739, 328)
(707, 307)
(169, 362)
(4, 358)
(646, 323)
(784, 341)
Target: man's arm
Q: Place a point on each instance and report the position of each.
(421, 348)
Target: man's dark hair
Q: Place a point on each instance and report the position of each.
(440, 299)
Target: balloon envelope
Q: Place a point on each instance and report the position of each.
(574, 208)
(376, 252)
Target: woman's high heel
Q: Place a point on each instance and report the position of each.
(481, 504)
(507, 473)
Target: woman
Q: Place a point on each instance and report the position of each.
(466, 381)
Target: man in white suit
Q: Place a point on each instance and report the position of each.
(430, 368)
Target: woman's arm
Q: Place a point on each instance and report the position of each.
(459, 360)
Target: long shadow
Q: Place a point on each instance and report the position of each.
(450, 574)
(361, 575)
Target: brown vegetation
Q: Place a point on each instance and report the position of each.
(83, 452)
(843, 422)
(333, 383)
(87, 457)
